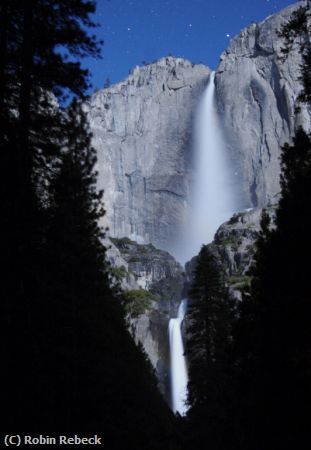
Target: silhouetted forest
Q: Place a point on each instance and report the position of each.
(249, 362)
(69, 363)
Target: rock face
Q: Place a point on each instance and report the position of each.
(142, 133)
(120, 272)
(157, 272)
(142, 130)
(256, 92)
(234, 247)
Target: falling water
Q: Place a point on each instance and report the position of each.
(179, 377)
(213, 199)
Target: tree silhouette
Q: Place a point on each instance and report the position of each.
(208, 349)
(70, 363)
(273, 331)
(32, 71)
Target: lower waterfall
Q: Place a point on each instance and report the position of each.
(179, 376)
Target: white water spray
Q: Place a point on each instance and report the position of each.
(213, 198)
(179, 376)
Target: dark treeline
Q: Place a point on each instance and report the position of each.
(69, 364)
(250, 362)
(210, 318)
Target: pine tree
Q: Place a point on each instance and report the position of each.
(81, 314)
(70, 363)
(275, 320)
(101, 379)
(208, 350)
(32, 71)
(296, 34)
(248, 334)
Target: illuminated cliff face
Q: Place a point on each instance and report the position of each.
(142, 131)
(256, 93)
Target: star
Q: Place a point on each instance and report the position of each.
(190, 25)
(228, 35)
(128, 29)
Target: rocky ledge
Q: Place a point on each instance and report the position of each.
(234, 246)
(153, 283)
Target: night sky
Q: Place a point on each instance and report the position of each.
(145, 30)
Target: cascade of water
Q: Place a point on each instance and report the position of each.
(213, 199)
(179, 376)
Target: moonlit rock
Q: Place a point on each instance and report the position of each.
(143, 126)
(257, 95)
(142, 133)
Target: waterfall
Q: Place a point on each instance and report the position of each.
(179, 377)
(213, 197)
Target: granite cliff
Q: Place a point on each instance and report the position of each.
(153, 283)
(234, 246)
(142, 133)
(256, 92)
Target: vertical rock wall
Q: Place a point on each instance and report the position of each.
(257, 92)
(142, 133)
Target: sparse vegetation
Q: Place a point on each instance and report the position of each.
(231, 241)
(134, 259)
(119, 272)
(138, 301)
(239, 281)
(122, 241)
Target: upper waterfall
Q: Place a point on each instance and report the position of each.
(213, 200)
